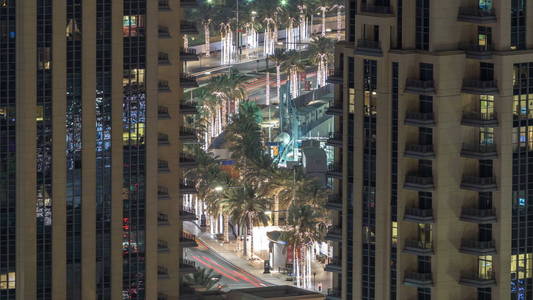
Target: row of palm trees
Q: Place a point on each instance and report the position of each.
(219, 99)
(261, 191)
(267, 17)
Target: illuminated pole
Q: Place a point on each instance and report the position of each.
(339, 20)
(185, 41)
(207, 36)
(323, 10)
(290, 35)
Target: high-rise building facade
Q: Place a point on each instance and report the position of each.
(433, 106)
(90, 144)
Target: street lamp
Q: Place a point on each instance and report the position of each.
(219, 188)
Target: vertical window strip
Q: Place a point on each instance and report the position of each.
(44, 144)
(394, 177)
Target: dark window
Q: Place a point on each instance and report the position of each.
(426, 71)
(426, 104)
(394, 175)
(422, 24)
(486, 71)
(518, 24)
(399, 24)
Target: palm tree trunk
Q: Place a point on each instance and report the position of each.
(278, 81)
(267, 89)
(323, 22)
(226, 228)
(275, 213)
(207, 37)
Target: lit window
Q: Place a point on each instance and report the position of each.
(40, 113)
(133, 25)
(351, 100)
(485, 267)
(394, 233)
(73, 31)
(8, 281)
(521, 266)
(44, 58)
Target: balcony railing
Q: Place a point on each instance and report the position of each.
(164, 5)
(188, 240)
(419, 215)
(334, 233)
(188, 3)
(334, 202)
(162, 193)
(417, 86)
(162, 219)
(188, 54)
(334, 109)
(163, 58)
(162, 139)
(414, 181)
(376, 9)
(187, 266)
(188, 28)
(479, 151)
(335, 76)
(477, 51)
(333, 265)
(163, 86)
(162, 112)
(418, 247)
(474, 279)
(478, 215)
(162, 166)
(478, 119)
(479, 184)
(162, 246)
(480, 87)
(187, 214)
(334, 170)
(422, 280)
(188, 81)
(162, 272)
(477, 15)
(419, 151)
(163, 32)
(368, 48)
(420, 119)
(335, 139)
(478, 248)
(187, 161)
(333, 294)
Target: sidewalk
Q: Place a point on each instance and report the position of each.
(229, 252)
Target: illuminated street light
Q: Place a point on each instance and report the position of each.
(283, 2)
(219, 188)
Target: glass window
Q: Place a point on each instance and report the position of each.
(351, 100)
(425, 234)
(485, 267)
(133, 25)
(394, 233)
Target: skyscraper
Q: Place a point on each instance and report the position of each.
(433, 107)
(90, 149)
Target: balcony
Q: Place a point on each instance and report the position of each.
(334, 202)
(419, 119)
(334, 234)
(420, 280)
(188, 109)
(188, 240)
(187, 214)
(187, 266)
(162, 113)
(162, 272)
(164, 5)
(335, 139)
(473, 279)
(335, 171)
(479, 151)
(478, 215)
(188, 54)
(478, 248)
(416, 182)
(334, 109)
(188, 3)
(375, 10)
(335, 77)
(162, 193)
(479, 87)
(162, 59)
(162, 219)
(163, 32)
(162, 166)
(333, 294)
(476, 15)
(417, 247)
(163, 86)
(188, 135)
(334, 265)
(187, 161)
(162, 246)
(479, 184)
(476, 51)
(187, 81)
(418, 215)
(368, 48)
(420, 87)
(162, 139)
(188, 28)
(419, 151)
(477, 119)
(188, 188)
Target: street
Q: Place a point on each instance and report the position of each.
(233, 277)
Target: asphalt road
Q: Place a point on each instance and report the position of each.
(232, 276)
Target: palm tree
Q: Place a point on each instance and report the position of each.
(321, 50)
(305, 227)
(203, 279)
(229, 89)
(279, 58)
(295, 66)
(246, 207)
